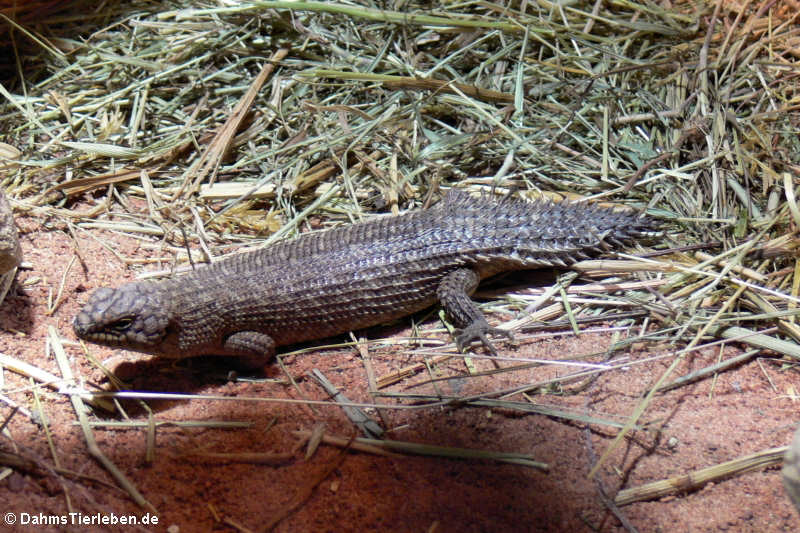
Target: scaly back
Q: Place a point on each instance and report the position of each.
(486, 234)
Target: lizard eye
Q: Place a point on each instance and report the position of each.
(122, 324)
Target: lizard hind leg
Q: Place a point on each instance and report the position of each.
(454, 293)
(252, 349)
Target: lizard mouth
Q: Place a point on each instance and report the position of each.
(85, 329)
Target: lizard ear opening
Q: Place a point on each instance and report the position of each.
(122, 325)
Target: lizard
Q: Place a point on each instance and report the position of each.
(326, 283)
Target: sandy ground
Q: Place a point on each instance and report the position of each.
(741, 411)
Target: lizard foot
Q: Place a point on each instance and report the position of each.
(478, 331)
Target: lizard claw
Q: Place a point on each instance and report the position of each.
(477, 331)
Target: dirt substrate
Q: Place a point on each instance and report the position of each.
(742, 411)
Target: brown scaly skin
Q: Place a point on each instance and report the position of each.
(327, 283)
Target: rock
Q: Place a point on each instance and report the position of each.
(10, 251)
(791, 470)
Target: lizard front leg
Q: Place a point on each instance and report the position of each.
(454, 293)
(253, 349)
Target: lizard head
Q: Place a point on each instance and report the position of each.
(133, 316)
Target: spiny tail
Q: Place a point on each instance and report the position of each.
(546, 232)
